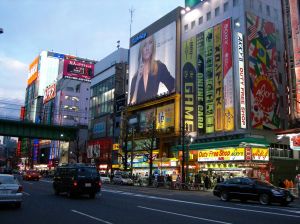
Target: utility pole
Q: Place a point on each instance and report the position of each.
(131, 11)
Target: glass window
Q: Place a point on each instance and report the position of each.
(186, 27)
(268, 10)
(226, 6)
(208, 16)
(200, 21)
(259, 6)
(78, 88)
(193, 24)
(217, 11)
(235, 3)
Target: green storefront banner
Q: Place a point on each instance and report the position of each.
(209, 81)
(200, 81)
(189, 83)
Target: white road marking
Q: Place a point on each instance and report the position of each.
(207, 205)
(92, 217)
(183, 215)
(47, 181)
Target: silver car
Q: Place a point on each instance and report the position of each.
(10, 190)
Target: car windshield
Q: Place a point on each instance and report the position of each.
(264, 183)
(7, 180)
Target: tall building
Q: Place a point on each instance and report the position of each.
(58, 94)
(108, 88)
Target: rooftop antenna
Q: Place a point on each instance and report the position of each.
(131, 11)
(118, 44)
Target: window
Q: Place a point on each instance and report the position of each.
(200, 20)
(217, 11)
(71, 89)
(193, 24)
(259, 6)
(235, 3)
(78, 88)
(186, 27)
(251, 4)
(268, 10)
(208, 16)
(276, 14)
(226, 6)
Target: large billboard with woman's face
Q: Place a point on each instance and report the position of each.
(152, 65)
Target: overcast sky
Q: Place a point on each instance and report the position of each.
(86, 28)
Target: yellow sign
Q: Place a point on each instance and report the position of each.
(115, 166)
(116, 146)
(261, 154)
(165, 116)
(225, 154)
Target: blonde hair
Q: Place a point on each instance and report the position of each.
(153, 63)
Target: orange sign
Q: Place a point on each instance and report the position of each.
(33, 71)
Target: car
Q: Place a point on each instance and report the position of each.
(10, 190)
(122, 178)
(31, 175)
(77, 179)
(105, 179)
(244, 188)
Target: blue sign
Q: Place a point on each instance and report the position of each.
(138, 38)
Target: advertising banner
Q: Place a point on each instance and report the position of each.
(295, 23)
(243, 113)
(218, 92)
(200, 81)
(33, 71)
(152, 65)
(147, 117)
(228, 75)
(50, 93)
(226, 154)
(165, 117)
(261, 154)
(79, 70)
(189, 84)
(209, 81)
(263, 72)
(295, 141)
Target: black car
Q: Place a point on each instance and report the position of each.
(77, 179)
(244, 188)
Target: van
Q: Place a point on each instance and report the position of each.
(77, 179)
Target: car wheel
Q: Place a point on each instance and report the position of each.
(224, 196)
(264, 199)
(18, 204)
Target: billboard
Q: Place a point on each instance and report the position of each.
(228, 76)
(263, 72)
(218, 75)
(152, 65)
(78, 70)
(241, 70)
(189, 83)
(209, 81)
(226, 154)
(295, 24)
(33, 71)
(165, 116)
(50, 93)
(146, 119)
(200, 81)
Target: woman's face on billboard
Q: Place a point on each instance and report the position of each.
(147, 48)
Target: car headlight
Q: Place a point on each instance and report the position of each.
(276, 193)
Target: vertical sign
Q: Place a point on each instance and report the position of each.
(189, 83)
(200, 81)
(242, 80)
(209, 81)
(295, 22)
(228, 76)
(218, 91)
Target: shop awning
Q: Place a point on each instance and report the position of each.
(242, 142)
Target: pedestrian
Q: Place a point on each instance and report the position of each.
(206, 182)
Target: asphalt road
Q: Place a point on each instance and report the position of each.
(125, 204)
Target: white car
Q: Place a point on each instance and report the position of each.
(10, 190)
(122, 179)
(104, 178)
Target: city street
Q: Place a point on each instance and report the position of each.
(127, 204)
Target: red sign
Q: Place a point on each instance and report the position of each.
(248, 153)
(50, 93)
(264, 93)
(22, 113)
(78, 70)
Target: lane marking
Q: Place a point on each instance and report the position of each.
(183, 215)
(92, 217)
(270, 208)
(210, 205)
(47, 181)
